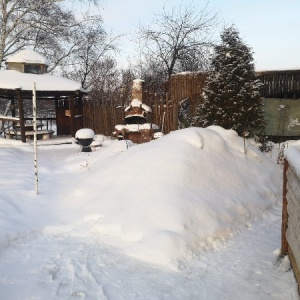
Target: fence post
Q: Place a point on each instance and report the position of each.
(284, 243)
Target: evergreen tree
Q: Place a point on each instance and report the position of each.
(231, 97)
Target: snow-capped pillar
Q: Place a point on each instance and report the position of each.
(138, 89)
(21, 115)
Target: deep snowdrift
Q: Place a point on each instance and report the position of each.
(165, 201)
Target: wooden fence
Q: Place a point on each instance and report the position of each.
(185, 85)
(290, 238)
(280, 84)
(103, 118)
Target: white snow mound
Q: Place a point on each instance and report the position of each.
(165, 201)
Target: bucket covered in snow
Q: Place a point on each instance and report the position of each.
(85, 137)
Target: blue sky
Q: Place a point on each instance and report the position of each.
(270, 27)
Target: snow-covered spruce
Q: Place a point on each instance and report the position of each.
(231, 96)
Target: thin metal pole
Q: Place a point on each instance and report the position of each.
(163, 122)
(35, 139)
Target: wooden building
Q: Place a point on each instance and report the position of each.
(280, 93)
(27, 67)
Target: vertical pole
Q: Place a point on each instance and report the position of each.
(284, 243)
(56, 115)
(13, 107)
(35, 140)
(21, 115)
(175, 116)
(72, 117)
(163, 122)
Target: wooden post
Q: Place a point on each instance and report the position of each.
(284, 243)
(56, 115)
(175, 116)
(13, 107)
(21, 115)
(72, 116)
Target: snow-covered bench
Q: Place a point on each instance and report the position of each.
(41, 134)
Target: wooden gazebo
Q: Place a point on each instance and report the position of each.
(27, 67)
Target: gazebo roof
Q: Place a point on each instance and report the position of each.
(28, 56)
(45, 83)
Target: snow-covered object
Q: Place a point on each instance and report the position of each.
(292, 154)
(85, 133)
(44, 82)
(138, 103)
(28, 56)
(206, 189)
(137, 84)
(137, 89)
(137, 127)
(158, 135)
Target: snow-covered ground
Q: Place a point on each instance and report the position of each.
(188, 216)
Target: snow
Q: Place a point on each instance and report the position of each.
(138, 103)
(187, 216)
(28, 56)
(85, 133)
(292, 154)
(11, 80)
(137, 84)
(137, 127)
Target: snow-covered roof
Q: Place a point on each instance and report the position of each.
(28, 56)
(138, 103)
(12, 80)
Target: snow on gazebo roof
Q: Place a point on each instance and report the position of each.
(28, 56)
(12, 80)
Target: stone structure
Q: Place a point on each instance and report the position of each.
(138, 126)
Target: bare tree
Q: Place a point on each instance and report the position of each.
(106, 81)
(178, 37)
(93, 56)
(45, 25)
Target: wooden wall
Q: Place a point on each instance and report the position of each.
(187, 85)
(103, 118)
(280, 84)
(63, 121)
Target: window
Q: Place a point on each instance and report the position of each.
(34, 69)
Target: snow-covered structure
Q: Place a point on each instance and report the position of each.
(27, 61)
(290, 229)
(27, 67)
(137, 127)
(280, 94)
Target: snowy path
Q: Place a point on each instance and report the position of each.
(59, 267)
(44, 255)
